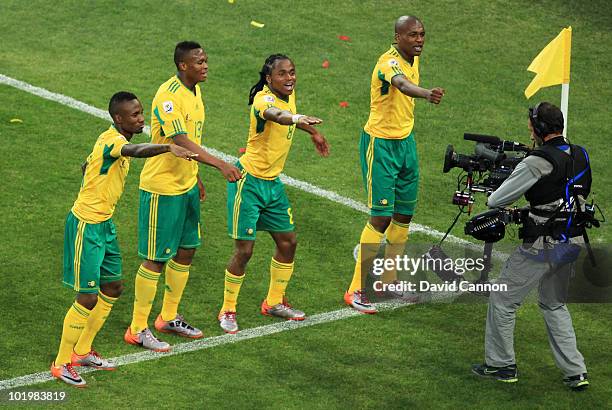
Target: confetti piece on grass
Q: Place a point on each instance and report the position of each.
(257, 24)
(16, 121)
(241, 150)
(344, 38)
(230, 1)
(343, 104)
(325, 64)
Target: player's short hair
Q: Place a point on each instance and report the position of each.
(118, 98)
(181, 50)
(551, 115)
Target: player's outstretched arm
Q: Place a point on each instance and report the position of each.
(230, 172)
(319, 141)
(146, 150)
(284, 117)
(412, 90)
(303, 122)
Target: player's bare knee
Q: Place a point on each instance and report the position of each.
(401, 218)
(287, 248)
(112, 289)
(87, 300)
(380, 223)
(153, 265)
(243, 254)
(184, 256)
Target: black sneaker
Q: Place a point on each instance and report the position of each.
(508, 374)
(577, 383)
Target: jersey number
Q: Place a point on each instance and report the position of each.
(290, 132)
(199, 128)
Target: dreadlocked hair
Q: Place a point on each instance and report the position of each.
(265, 70)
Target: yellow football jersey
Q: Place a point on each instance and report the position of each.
(175, 110)
(268, 143)
(391, 111)
(104, 178)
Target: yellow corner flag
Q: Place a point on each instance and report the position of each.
(552, 65)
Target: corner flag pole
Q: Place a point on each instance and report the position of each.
(564, 106)
(552, 67)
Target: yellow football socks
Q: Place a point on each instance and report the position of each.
(280, 273)
(370, 238)
(176, 279)
(96, 320)
(144, 295)
(74, 323)
(397, 235)
(231, 291)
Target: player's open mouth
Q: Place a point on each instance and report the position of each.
(418, 48)
(288, 87)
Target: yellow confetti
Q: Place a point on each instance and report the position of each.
(257, 24)
(230, 1)
(16, 121)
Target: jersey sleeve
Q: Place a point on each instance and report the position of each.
(113, 149)
(389, 67)
(262, 102)
(169, 113)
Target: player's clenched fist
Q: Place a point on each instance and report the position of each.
(230, 172)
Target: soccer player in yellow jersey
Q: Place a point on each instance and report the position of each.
(170, 195)
(258, 202)
(92, 261)
(389, 160)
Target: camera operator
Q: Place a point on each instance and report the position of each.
(546, 176)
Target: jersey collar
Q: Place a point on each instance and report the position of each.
(195, 87)
(400, 55)
(267, 89)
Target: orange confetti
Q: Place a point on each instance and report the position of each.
(344, 38)
(344, 104)
(241, 150)
(325, 64)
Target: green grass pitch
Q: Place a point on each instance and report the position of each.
(417, 356)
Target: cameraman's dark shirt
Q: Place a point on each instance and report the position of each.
(524, 176)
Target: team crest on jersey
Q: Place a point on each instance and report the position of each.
(268, 98)
(168, 107)
(393, 63)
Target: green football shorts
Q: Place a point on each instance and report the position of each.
(168, 222)
(91, 254)
(255, 204)
(390, 170)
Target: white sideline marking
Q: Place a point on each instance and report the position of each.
(224, 339)
(252, 333)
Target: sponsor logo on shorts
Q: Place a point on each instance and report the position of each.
(384, 202)
(91, 283)
(249, 231)
(167, 250)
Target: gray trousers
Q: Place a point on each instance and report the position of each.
(521, 274)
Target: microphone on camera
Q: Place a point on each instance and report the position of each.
(487, 139)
